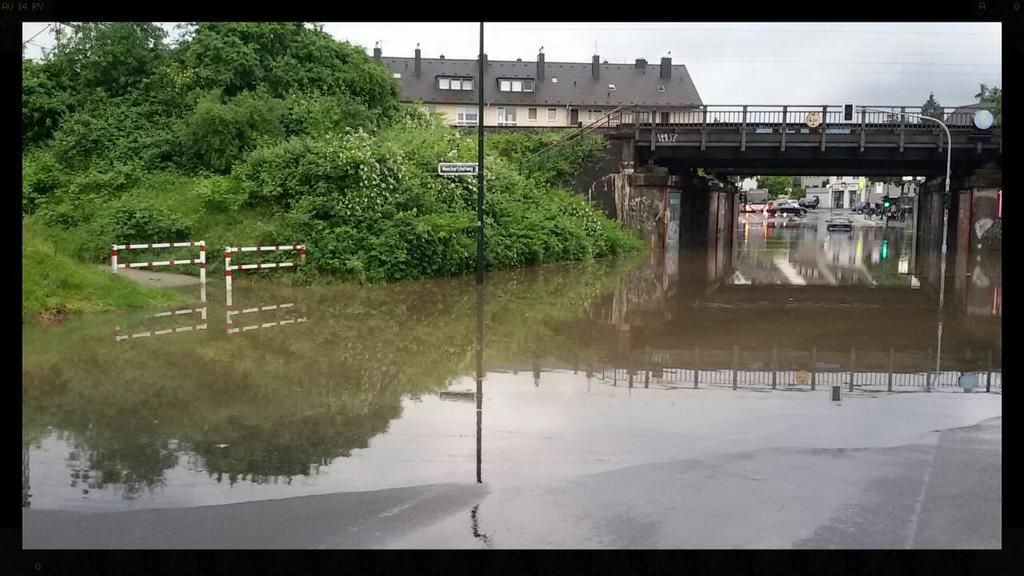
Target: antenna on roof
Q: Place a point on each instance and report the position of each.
(417, 45)
(541, 50)
(376, 44)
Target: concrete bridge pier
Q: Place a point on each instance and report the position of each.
(974, 229)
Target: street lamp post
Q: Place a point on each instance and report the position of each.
(945, 218)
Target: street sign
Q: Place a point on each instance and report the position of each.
(456, 168)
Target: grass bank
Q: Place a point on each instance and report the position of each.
(54, 285)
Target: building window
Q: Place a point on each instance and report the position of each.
(554, 80)
(611, 87)
(467, 115)
(516, 84)
(449, 83)
(552, 114)
(593, 115)
(532, 113)
(661, 88)
(506, 116)
(396, 75)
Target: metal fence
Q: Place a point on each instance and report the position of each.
(795, 369)
(792, 116)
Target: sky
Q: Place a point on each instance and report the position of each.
(803, 63)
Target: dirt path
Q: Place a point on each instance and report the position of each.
(158, 279)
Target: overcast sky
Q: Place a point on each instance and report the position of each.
(730, 63)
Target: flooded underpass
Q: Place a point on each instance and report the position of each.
(680, 400)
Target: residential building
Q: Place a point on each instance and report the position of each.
(541, 94)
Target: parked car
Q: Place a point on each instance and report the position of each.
(839, 223)
(809, 202)
(786, 208)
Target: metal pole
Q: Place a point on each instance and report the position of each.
(480, 168)
(814, 366)
(853, 362)
(479, 377)
(891, 355)
(988, 382)
(696, 369)
(945, 224)
(735, 363)
(775, 365)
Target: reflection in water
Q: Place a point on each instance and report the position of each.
(474, 517)
(283, 413)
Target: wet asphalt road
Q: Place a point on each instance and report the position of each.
(945, 494)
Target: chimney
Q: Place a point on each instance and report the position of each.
(485, 60)
(641, 64)
(666, 68)
(595, 67)
(418, 66)
(540, 67)
(376, 55)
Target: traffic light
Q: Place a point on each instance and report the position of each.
(848, 112)
(886, 203)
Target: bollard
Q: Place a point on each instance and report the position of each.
(647, 378)
(814, 366)
(853, 362)
(891, 354)
(837, 393)
(775, 364)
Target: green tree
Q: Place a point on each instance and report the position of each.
(991, 96)
(931, 107)
(776, 185)
(115, 57)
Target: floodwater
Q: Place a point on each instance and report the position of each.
(587, 372)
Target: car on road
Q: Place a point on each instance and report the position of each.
(786, 208)
(839, 223)
(809, 201)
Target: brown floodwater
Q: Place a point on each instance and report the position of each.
(315, 390)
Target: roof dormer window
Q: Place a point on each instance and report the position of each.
(661, 87)
(611, 87)
(396, 75)
(516, 84)
(554, 80)
(454, 83)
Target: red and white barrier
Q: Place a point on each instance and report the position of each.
(201, 261)
(188, 328)
(231, 329)
(229, 268)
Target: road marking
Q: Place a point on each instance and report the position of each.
(786, 268)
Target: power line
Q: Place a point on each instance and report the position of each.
(38, 33)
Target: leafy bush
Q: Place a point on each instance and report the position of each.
(217, 134)
(41, 175)
(220, 193)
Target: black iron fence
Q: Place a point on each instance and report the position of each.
(796, 369)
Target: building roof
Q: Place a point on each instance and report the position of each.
(575, 84)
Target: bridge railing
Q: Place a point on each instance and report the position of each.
(754, 116)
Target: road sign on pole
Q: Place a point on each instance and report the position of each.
(457, 168)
